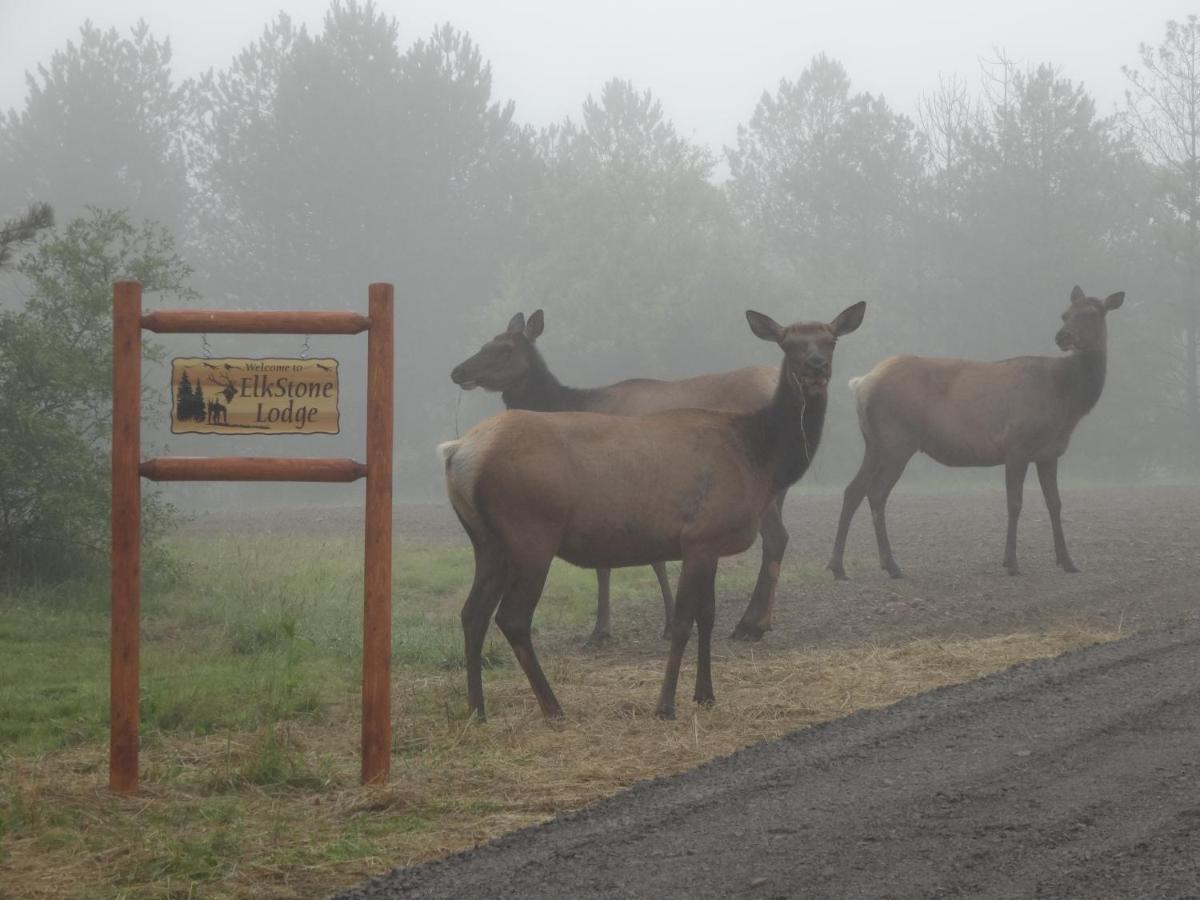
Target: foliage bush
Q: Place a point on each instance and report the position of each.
(56, 391)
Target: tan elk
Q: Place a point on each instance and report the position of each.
(603, 491)
(964, 413)
(511, 364)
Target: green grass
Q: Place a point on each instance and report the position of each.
(258, 628)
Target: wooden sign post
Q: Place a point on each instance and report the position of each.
(128, 469)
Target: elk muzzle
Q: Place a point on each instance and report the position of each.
(460, 377)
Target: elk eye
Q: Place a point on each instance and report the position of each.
(1066, 316)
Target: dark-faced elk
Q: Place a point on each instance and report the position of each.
(963, 413)
(604, 491)
(511, 364)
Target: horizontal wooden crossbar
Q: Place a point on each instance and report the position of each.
(237, 321)
(251, 468)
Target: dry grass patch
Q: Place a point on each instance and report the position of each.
(279, 813)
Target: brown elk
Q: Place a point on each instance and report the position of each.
(603, 491)
(511, 364)
(965, 413)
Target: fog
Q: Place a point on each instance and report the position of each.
(641, 173)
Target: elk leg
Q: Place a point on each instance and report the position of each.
(856, 490)
(756, 620)
(515, 618)
(601, 632)
(1048, 477)
(1014, 483)
(486, 591)
(880, 489)
(664, 584)
(691, 580)
(706, 613)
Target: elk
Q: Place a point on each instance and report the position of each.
(965, 413)
(511, 364)
(603, 491)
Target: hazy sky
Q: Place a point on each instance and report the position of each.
(707, 62)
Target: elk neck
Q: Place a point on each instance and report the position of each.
(1083, 381)
(783, 436)
(539, 391)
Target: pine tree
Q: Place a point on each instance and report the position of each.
(183, 406)
(198, 405)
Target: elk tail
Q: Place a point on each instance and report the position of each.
(445, 450)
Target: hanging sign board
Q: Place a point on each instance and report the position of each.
(254, 396)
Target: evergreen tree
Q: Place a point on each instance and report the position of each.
(199, 408)
(185, 402)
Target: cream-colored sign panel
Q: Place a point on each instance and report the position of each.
(254, 396)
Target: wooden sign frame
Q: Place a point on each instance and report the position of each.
(128, 469)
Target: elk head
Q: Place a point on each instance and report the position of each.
(1083, 322)
(504, 360)
(807, 347)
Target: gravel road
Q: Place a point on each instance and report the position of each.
(1073, 777)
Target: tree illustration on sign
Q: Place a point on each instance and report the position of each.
(189, 403)
(198, 403)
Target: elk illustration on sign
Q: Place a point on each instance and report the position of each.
(254, 396)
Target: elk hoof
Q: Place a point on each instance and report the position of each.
(554, 714)
(839, 573)
(746, 631)
(893, 570)
(1012, 568)
(706, 701)
(1069, 567)
(598, 639)
(666, 713)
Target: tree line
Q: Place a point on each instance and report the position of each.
(314, 162)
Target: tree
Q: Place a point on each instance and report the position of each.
(197, 406)
(55, 391)
(102, 125)
(828, 181)
(1049, 197)
(1164, 106)
(24, 229)
(330, 160)
(633, 249)
(184, 401)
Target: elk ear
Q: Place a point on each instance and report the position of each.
(516, 323)
(849, 318)
(535, 325)
(1077, 294)
(764, 326)
(1114, 301)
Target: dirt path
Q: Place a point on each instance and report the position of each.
(1138, 548)
(1074, 777)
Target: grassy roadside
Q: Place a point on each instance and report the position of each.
(250, 720)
